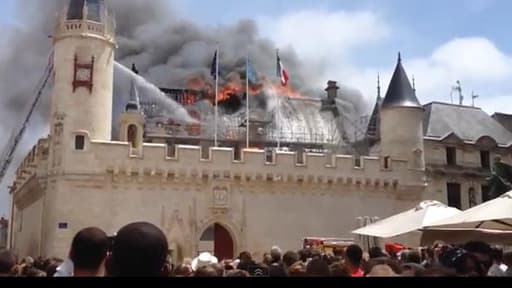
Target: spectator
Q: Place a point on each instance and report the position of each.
(436, 272)
(290, 258)
(7, 263)
(318, 268)
(88, 253)
(276, 253)
(376, 252)
(381, 271)
(297, 270)
(206, 271)
(507, 259)
(339, 253)
(34, 272)
(139, 250)
(498, 269)
(354, 257)
(51, 266)
(482, 252)
(339, 270)
(204, 259)
(246, 262)
(267, 259)
(183, 270)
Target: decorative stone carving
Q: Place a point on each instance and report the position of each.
(220, 197)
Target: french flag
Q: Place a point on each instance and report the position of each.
(281, 72)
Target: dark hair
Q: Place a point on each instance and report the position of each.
(245, 256)
(7, 261)
(460, 260)
(413, 256)
(237, 273)
(436, 272)
(318, 268)
(478, 247)
(497, 254)
(339, 270)
(89, 248)
(206, 271)
(33, 272)
(354, 254)
(52, 265)
(338, 252)
(376, 252)
(140, 249)
(289, 258)
(297, 270)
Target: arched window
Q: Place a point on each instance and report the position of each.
(132, 135)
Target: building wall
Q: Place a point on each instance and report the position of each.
(261, 204)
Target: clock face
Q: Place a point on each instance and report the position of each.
(83, 75)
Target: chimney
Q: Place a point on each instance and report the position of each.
(332, 90)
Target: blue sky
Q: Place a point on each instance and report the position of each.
(442, 41)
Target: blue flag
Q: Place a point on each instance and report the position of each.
(214, 65)
(251, 73)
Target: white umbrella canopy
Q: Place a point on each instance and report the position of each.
(423, 215)
(493, 215)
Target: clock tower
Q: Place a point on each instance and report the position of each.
(84, 45)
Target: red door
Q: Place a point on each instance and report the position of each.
(223, 243)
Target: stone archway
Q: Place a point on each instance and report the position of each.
(218, 240)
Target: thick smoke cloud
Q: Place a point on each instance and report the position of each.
(167, 49)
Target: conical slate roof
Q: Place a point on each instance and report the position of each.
(400, 92)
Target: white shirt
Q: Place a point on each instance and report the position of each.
(65, 269)
(498, 270)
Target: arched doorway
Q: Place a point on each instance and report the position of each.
(217, 240)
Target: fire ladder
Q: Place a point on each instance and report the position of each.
(13, 143)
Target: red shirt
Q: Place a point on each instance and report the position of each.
(357, 273)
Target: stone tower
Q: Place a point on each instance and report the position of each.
(84, 44)
(401, 122)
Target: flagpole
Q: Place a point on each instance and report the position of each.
(216, 139)
(247, 101)
(278, 110)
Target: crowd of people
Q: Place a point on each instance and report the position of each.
(141, 249)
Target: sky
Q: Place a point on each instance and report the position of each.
(353, 41)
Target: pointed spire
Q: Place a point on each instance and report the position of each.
(134, 103)
(400, 92)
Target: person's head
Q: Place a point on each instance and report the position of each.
(297, 270)
(376, 252)
(140, 249)
(89, 250)
(52, 265)
(245, 257)
(482, 251)
(275, 253)
(318, 268)
(392, 263)
(338, 252)
(462, 262)
(206, 271)
(183, 270)
(354, 255)
(237, 273)
(411, 269)
(219, 268)
(339, 270)
(381, 271)
(328, 258)
(290, 258)
(267, 259)
(497, 254)
(413, 256)
(8, 261)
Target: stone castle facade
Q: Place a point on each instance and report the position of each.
(78, 177)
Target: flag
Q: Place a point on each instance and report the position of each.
(281, 72)
(215, 65)
(251, 73)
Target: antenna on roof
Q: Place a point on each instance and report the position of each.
(474, 97)
(457, 89)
